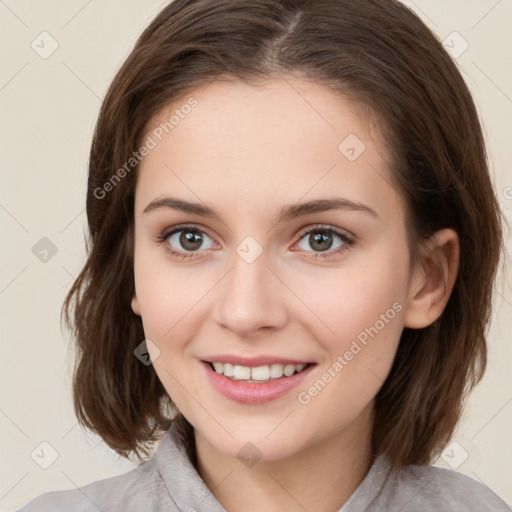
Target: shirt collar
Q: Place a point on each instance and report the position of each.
(184, 484)
(188, 490)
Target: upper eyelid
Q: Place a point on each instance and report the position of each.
(179, 227)
(326, 227)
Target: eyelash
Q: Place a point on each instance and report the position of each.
(348, 241)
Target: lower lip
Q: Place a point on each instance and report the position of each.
(257, 392)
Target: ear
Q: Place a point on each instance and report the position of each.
(135, 304)
(431, 284)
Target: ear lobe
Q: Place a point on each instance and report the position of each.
(135, 304)
(432, 284)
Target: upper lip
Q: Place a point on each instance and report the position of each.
(253, 361)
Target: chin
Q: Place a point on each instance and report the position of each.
(257, 444)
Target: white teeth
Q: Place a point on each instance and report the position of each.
(276, 371)
(228, 369)
(259, 373)
(241, 372)
(289, 370)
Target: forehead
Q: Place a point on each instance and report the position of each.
(280, 140)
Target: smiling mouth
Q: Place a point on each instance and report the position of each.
(257, 374)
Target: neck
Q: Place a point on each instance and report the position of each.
(320, 477)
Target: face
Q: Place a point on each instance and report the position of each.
(259, 285)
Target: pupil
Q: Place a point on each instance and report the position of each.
(323, 241)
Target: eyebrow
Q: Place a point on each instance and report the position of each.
(288, 212)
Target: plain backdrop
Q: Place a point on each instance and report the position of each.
(57, 60)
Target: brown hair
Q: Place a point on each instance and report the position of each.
(377, 53)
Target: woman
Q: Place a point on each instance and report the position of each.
(294, 239)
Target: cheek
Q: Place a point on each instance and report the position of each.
(171, 298)
(157, 294)
(166, 309)
(351, 301)
(363, 313)
(169, 304)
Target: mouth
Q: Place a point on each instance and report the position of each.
(255, 384)
(257, 374)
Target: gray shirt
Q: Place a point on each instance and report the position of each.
(168, 482)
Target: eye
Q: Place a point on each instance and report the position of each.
(187, 242)
(187, 239)
(320, 238)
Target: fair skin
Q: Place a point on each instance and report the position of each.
(246, 152)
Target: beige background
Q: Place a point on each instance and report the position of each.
(49, 107)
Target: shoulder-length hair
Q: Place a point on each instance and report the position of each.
(377, 53)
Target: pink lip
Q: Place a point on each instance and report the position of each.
(251, 361)
(257, 392)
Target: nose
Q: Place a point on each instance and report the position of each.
(251, 297)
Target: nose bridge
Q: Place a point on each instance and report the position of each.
(250, 296)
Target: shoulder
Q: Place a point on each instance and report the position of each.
(433, 488)
(137, 490)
